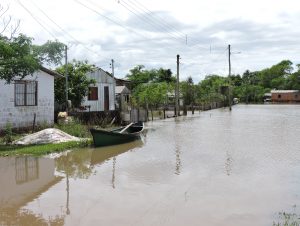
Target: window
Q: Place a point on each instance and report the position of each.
(26, 93)
(93, 93)
(126, 98)
(279, 96)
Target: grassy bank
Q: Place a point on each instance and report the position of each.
(73, 128)
(42, 149)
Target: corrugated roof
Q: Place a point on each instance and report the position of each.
(50, 72)
(122, 89)
(284, 91)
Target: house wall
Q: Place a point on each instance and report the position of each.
(102, 80)
(286, 97)
(22, 116)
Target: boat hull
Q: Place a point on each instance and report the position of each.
(105, 138)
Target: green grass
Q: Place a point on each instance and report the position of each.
(75, 129)
(42, 149)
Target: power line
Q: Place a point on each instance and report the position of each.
(52, 34)
(49, 18)
(18, 1)
(149, 20)
(109, 19)
(160, 20)
(64, 31)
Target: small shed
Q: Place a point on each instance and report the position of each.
(101, 96)
(285, 96)
(27, 99)
(122, 98)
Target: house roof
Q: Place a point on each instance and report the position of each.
(122, 80)
(284, 91)
(50, 72)
(122, 89)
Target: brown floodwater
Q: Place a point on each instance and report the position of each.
(213, 168)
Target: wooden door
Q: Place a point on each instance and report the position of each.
(106, 98)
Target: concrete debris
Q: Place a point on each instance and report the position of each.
(46, 136)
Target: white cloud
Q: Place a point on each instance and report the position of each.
(265, 31)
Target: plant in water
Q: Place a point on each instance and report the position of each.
(287, 219)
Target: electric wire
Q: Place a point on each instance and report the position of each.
(158, 18)
(19, 2)
(64, 31)
(149, 21)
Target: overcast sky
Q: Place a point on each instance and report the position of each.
(153, 32)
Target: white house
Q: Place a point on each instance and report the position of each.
(22, 99)
(101, 96)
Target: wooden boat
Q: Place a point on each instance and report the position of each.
(121, 135)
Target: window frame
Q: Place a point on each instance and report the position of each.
(25, 93)
(90, 96)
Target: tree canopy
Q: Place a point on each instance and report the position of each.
(78, 82)
(139, 75)
(19, 57)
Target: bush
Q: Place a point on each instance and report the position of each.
(8, 137)
(75, 129)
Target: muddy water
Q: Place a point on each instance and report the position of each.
(214, 168)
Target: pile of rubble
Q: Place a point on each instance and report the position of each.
(46, 136)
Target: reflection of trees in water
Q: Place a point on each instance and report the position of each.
(75, 164)
(113, 172)
(9, 216)
(178, 160)
(228, 163)
(177, 149)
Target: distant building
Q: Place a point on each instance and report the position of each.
(123, 82)
(267, 97)
(24, 99)
(122, 98)
(101, 96)
(285, 96)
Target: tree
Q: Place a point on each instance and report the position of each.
(151, 95)
(51, 52)
(188, 92)
(16, 58)
(78, 82)
(164, 75)
(19, 58)
(139, 75)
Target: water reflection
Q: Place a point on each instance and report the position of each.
(113, 172)
(239, 168)
(27, 169)
(177, 148)
(22, 180)
(228, 163)
(178, 160)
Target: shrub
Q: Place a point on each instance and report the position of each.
(8, 137)
(74, 128)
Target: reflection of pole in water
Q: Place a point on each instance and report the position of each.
(68, 194)
(178, 160)
(228, 163)
(113, 173)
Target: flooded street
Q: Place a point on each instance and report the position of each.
(213, 168)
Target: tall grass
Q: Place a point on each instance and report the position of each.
(74, 128)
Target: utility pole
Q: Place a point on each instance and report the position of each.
(66, 75)
(177, 110)
(112, 68)
(229, 78)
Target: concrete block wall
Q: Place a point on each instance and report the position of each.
(22, 116)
